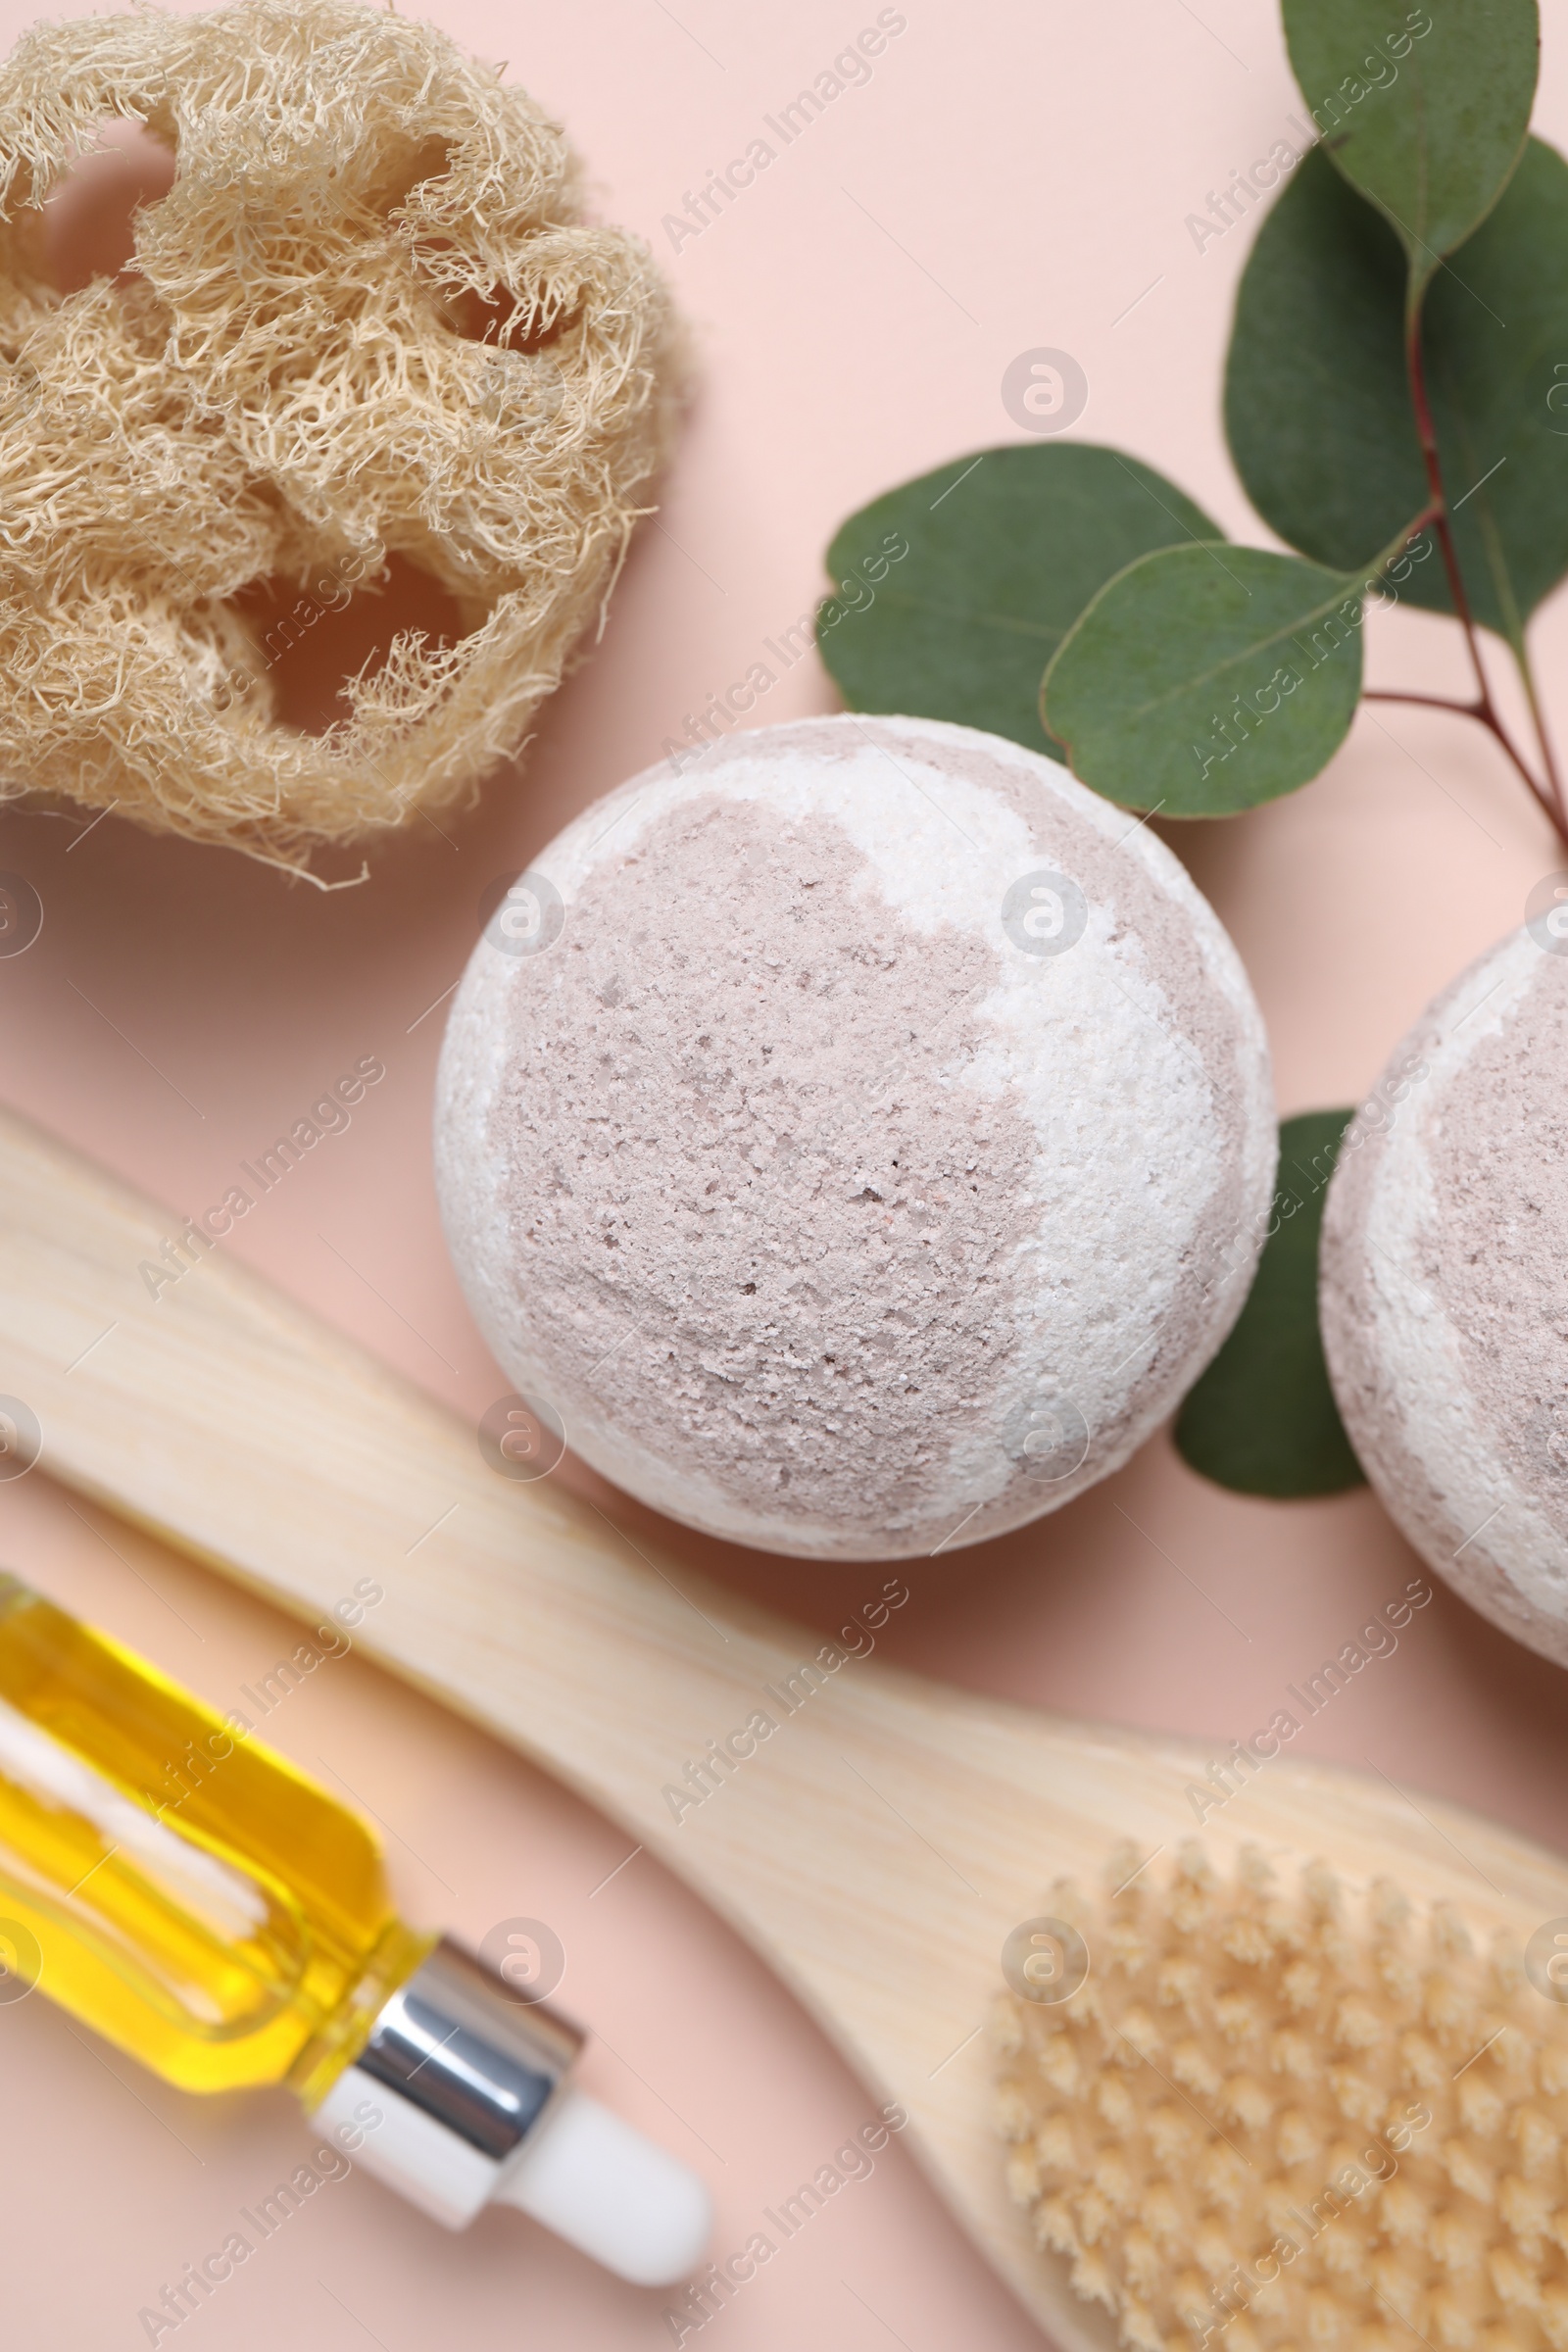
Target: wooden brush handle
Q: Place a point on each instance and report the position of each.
(224, 1417)
(874, 1858)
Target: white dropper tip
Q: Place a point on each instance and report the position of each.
(604, 2188)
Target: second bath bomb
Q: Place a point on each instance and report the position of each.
(858, 1142)
(1444, 1317)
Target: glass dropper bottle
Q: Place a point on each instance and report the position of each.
(192, 1897)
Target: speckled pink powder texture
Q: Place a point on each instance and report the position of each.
(805, 1208)
(1485, 1263)
(1500, 1167)
(748, 1238)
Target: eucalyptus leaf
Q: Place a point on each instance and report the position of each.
(1317, 405)
(1262, 1419)
(1497, 357)
(1205, 679)
(1317, 396)
(1004, 550)
(1424, 110)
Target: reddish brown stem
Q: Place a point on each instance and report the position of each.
(1438, 702)
(1488, 720)
(1551, 795)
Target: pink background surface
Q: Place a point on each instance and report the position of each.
(1012, 176)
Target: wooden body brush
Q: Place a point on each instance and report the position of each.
(881, 1844)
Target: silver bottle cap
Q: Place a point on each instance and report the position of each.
(458, 2072)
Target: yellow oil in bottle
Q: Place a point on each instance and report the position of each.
(178, 1886)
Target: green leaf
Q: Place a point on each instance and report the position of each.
(1003, 551)
(1262, 1419)
(1424, 110)
(1497, 357)
(1317, 406)
(1206, 679)
(1317, 399)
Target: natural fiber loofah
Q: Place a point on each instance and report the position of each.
(367, 319)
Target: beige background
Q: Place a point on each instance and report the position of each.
(1012, 176)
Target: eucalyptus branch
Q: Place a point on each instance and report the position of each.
(1433, 701)
(1426, 434)
(1549, 795)
(1487, 718)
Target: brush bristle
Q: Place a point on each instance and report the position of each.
(1280, 2122)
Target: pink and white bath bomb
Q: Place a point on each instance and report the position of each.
(1445, 1287)
(860, 1140)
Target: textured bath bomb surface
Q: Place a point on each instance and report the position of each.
(1445, 1287)
(868, 1150)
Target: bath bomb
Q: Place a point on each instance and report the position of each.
(1445, 1287)
(856, 1139)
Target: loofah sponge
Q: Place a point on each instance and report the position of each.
(1271, 2123)
(368, 320)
